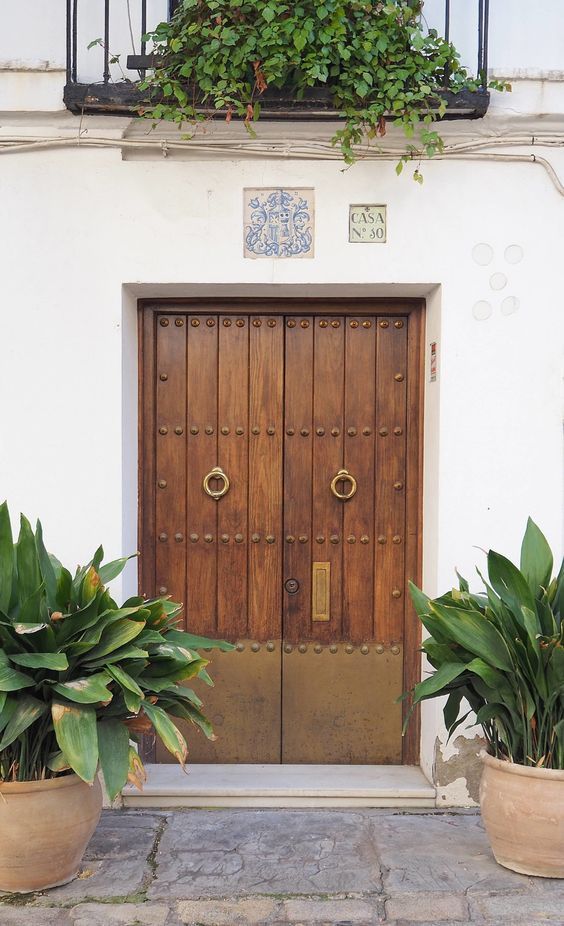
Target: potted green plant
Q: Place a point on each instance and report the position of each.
(500, 655)
(80, 676)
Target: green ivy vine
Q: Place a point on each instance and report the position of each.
(377, 59)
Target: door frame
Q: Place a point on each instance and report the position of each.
(148, 310)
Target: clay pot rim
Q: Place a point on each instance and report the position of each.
(527, 771)
(45, 784)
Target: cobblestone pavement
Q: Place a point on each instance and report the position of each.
(280, 867)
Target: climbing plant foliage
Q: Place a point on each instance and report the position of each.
(377, 59)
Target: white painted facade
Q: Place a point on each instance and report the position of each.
(86, 231)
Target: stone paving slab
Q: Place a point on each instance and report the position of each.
(290, 868)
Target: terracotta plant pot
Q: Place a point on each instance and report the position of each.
(45, 827)
(523, 813)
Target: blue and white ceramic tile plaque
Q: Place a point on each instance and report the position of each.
(278, 222)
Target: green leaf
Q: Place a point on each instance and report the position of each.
(6, 558)
(191, 641)
(12, 680)
(57, 762)
(27, 711)
(88, 690)
(475, 633)
(439, 681)
(132, 693)
(46, 567)
(112, 570)
(118, 634)
(536, 558)
(509, 583)
(58, 662)
(113, 749)
(29, 575)
(167, 731)
(76, 734)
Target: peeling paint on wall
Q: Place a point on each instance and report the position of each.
(457, 770)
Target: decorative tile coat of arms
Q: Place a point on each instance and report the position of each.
(278, 222)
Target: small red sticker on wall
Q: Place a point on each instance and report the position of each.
(433, 363)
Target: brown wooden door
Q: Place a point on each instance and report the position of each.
(301, 561)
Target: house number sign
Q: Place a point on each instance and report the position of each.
(367, 224)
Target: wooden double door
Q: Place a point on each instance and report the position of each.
(280, 481)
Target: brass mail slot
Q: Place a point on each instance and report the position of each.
(321, 592)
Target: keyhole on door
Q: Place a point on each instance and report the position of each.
(291, 586)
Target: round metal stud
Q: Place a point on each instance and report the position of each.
(398, 431)
(304, 323)
(398, 323)
(162, 483)
(351, 432)
(323, 323)
(302, 648)
(354, 324)
(179, 537)
(381, 539)
(290, 538)
(291, 323)
(240, 322)
(396, 593)
(255, 647)
(195, 322)
(225, 430)
(399, 377)
(178, 429)
(349, 649)
(255, 430)
(395, 649)
(163, 430)
(364, 539)
(194, 429)
(302, 538)
(304, 432)
(163, 590)
(320, 432)
(209, 429)
(333, 648)
(271, 431)
(179, 322)
(193, 538)
(271, 323)
(334, 538)
(351, 539)
(367, 432)
(398, 486)
(287, 648)
(270, 646)
(335, 432)
(379, 649)
(290, 431)
(255, 538)
(364, 649)
(384, 323)
(227, 323)
(225, 538)
(335, 323)
(208, 538)
(396, 538)
(240, 647)
(383, 432)
(320, 538)
(238, 538)
(163, 537)
(210, 322)
(239, 431)
(318, 648)
(163, 377)
(367, 324)
(164, 322)
(269, 538)
(257, 322)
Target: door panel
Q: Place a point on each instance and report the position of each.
(296, 411)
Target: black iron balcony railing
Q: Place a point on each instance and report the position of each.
(106, 57)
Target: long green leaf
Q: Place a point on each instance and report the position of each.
(132, 693)
(118, 634)
(29, 575)
(58, 662)
(475, 633)
(112, 570)
(191, 641)
(75, 730)
(6, 558)
(536, 558)
(28, 710)
(167, 731)
(12, 680)
(88, 690)
(113, 749)
(46, 567)
(437, 682)
(509, 583)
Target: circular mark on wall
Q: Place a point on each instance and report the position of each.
(481, 310)
(509, 305)
(482, 254)
(498, 280)
(513, 254)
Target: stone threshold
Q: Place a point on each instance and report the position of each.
(282, 786)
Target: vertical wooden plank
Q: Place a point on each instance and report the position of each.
(358, 527)
(170, 457)
(327, 526)
(390, 526)
(201, 439)
(233, 437)
(146, 457)
(299, 545)
(266, 346)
